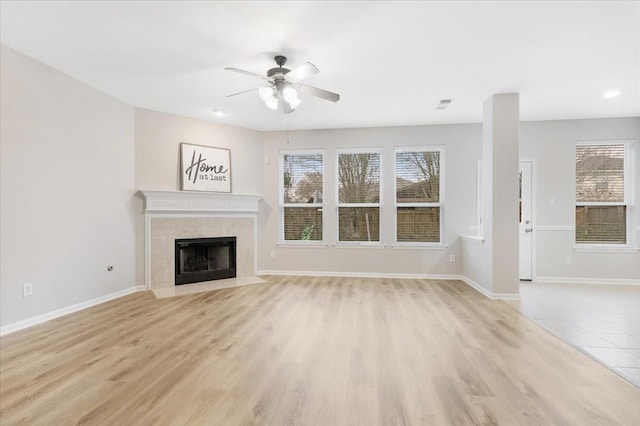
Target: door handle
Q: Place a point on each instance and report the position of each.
(528, 229)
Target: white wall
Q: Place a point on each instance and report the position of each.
(158, 136)
(67, 170)
(462, 148)
(552, 145)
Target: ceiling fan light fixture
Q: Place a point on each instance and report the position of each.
(294, 103)
(272, 102)
(268, 95)
(290, 95)
(265, 93)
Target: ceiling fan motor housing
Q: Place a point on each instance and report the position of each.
(280, 61)
(276, 71)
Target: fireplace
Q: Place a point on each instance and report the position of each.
(172, 215)
(204, 259)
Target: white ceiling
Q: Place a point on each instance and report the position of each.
(390, 61)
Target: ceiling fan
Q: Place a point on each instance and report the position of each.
(283, 85)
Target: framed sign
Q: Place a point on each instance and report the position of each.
(204, 168)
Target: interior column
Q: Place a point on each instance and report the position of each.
(500, 140)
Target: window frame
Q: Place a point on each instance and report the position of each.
(440, 204)
(627, 202)
(379, 204)
(282, 205)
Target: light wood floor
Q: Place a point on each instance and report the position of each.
(306, 351)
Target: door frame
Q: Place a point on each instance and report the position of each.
(534, 221)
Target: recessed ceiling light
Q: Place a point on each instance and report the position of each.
(218, 112)
(611, 93)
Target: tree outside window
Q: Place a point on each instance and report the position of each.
(602, 194)
(301, 201)
(418, 195)
(359, 196)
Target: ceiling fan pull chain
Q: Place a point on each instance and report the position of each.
(287, 129)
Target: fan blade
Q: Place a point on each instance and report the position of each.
(324, 94)
(303, 71)
(244, 91)
(249, 73)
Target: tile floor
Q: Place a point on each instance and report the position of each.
(602, 321)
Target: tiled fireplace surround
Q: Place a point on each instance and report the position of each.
(181, 214)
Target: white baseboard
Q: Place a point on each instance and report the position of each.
(361, 275)
(469, 282)
(10, 328)
(579, 280)
(489, 294)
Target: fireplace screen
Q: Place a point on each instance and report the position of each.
(205, 259)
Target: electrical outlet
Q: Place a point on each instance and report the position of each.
(27, 289)
(273, 254)
(567, 260)
(452, 258)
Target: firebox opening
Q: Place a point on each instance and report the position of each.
(205, 259)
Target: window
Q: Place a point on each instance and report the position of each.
(602, 192)
(301, 189)
(358, 196)
(419, 195)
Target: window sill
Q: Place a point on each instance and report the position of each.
(359, 245)
(605, 249)
(476, 239)
(304, 244)
(418, 246)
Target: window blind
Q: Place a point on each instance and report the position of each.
(359, 196)
(302, 197)
(600, 173)
(359, 178)
(418, 177)
(601, 210)
(418, 209)
(303, 176)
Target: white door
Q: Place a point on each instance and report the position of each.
(526, 225)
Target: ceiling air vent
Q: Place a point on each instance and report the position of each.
(444, 103)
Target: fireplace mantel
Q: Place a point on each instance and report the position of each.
(177, 202)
